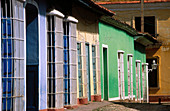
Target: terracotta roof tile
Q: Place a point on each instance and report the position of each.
(91, 2)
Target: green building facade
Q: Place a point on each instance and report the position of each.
(122, 53)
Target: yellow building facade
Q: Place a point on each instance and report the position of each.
(157, 19)
(88, 65)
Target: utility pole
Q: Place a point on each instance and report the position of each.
(142, 16)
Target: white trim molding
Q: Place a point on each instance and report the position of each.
(121, 51)
(130, 55)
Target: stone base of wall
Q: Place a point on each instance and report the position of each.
(61, 109)
(97, 98)
(71, 106)
(82, 100)
(162, 98)
(92, 98)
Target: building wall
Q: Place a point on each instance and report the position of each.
(127, 12)
(87, 32)
(117, 40)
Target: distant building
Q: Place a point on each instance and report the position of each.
(156, 23)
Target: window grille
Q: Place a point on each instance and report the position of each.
(70, 63)
(12, 53)
(66, 65)
(80, 70)
(94, 68)
(88, 72)
(54, 61)
(121, 74)
(149, 24)
(130, 77)
(138, 82)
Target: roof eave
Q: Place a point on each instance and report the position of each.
(96, 7)
(118, 24)
(145, 39)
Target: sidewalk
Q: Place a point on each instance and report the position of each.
(91, 106)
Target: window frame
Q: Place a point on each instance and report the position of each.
(158, 82)
(145, 82)
(57, 30)
(130, 75)
(156, 23)
(138, 80)
(88, 71)
(94, 58)
(80, 55)
(121, 82)
(72, 39)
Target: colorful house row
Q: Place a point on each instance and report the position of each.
(156, 23)
(51, 54)
(39, 65)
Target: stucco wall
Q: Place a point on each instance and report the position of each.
(87, 32)
(117, 40)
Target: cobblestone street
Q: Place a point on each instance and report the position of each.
(115, 106)
(135, 107)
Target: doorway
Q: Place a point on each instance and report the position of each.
(32, 57)
(105, 73)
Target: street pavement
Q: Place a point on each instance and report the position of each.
(119, 106)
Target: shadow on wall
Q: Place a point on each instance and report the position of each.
(88, 20)
(139, 48)
(151, 52)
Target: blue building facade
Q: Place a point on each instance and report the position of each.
(38, 56)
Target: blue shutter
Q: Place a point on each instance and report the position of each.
(66, 65)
